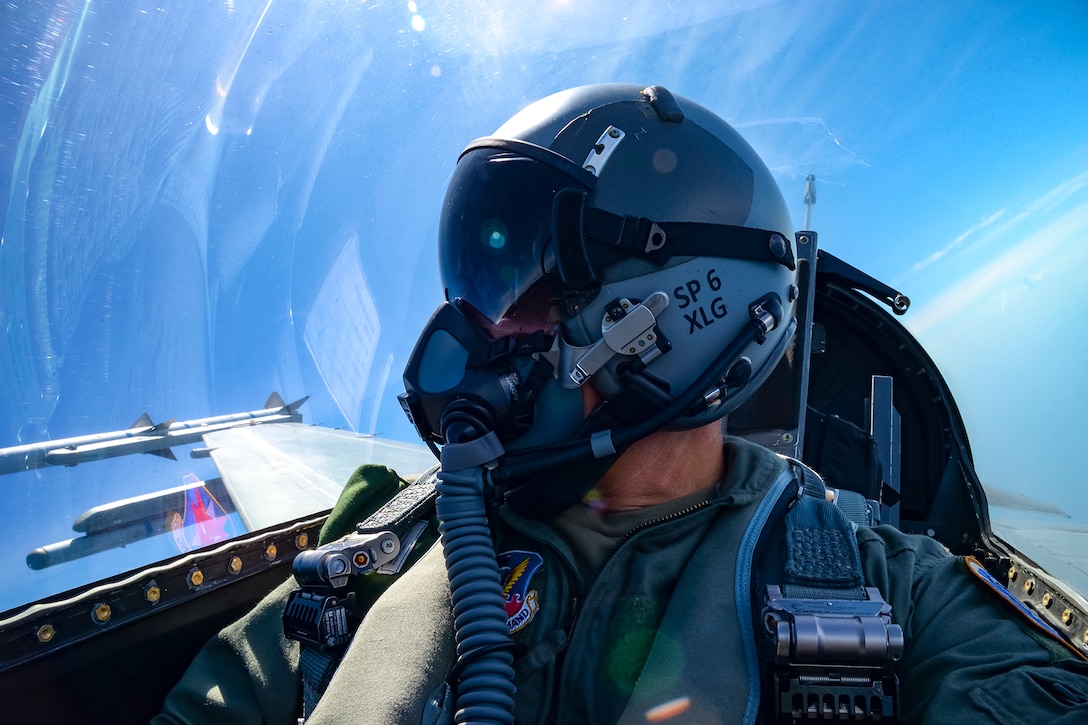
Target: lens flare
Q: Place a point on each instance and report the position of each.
(668, 710)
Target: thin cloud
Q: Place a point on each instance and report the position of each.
(1041, 205)
(988, 221)
(1014, 265)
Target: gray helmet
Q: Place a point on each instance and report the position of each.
(643, 232)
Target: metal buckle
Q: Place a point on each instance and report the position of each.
(323, 620)
(833, 658)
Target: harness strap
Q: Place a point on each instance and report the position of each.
(317, 668)
(834, 647)
(822, 559)
(403, 515)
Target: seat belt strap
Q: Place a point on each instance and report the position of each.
(834, 646)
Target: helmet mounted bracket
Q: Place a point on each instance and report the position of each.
(602, 150)
(627, 329)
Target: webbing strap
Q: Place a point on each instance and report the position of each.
(400, 514)
(438, 710)
(854, 508)
(317, 670)
(660, 241)
(822, 559)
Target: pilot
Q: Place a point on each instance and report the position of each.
(620, 276)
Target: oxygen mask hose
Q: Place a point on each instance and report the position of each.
(484, 671)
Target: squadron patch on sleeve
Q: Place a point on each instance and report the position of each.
(516, 570)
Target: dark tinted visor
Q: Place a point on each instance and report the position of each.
(495, 233)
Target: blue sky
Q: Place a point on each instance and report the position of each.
(949, 145)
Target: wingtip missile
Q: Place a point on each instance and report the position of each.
(145, 436)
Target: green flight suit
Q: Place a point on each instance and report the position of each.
(612, 631)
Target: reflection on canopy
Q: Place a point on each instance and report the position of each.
(208, 202)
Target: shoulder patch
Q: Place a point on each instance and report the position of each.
(516, 570)
(975, 567)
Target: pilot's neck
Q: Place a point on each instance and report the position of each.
(663, 466)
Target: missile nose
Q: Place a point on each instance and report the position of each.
(38, 559)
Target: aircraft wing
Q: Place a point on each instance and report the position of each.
(276, 473)
(1051, 548)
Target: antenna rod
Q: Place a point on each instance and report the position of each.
(810, 199)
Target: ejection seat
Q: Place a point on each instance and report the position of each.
(859, 400)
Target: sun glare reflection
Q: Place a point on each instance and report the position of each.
(668, 710)
(418, 23)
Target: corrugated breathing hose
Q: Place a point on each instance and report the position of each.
(484, 681)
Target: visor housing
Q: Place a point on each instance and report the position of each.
(495, 235)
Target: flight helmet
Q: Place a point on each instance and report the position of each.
(615, 236)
